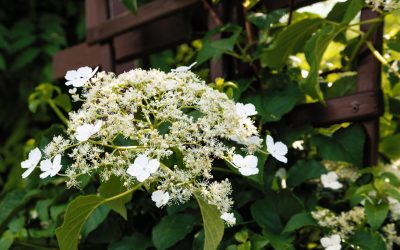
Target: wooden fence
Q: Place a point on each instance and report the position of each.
(115, 37)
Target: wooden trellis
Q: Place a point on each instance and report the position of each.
(115, 37)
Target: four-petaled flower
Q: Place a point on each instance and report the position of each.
(331, 243)
(247, 165)
(143, 167)
(79, 77)
(160, 198)
(278, 150)
(84, 132)
(32, 161)
(229, 218)
(183, 68)
(50, 168)
(245, 110)
(330, 180)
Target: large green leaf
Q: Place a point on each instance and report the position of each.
(213, 224)
(314, 51)
(77, 213)
(288, 42)
(298, 221)
(171, 229)
(345, 12)
(113, 187)
(376, 213)
(367, 239)
(95, 219)
(303, 171)
(134, 242)
(346, 144)
(390, 146)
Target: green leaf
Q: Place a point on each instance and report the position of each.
(298, 221)
(171, 229)
(22, 43)
(345, 12)
(314, 51)
(376, 213)
(25, 58)
(13, 201)
(214, 49)
(346, 144)
(64, 102)
(213, 224)
(390, 146)
(131, 5)
(77, 213)
(273, 211)
(280, 241)
(368, 239)
(288, 42)
(95, 219)
(111, 188)
(134, 242)
(343, 86)
(6, 240)
(303, 171)
(265, 20)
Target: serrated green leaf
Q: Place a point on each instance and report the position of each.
(171, 229)
(213, 224)
(288, 42)
(376, 213)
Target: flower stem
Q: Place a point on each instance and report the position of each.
(58, 112)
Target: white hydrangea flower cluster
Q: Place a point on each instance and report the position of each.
(165, 129)
(387, 5)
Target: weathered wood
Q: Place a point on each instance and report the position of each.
(161, 34)
(147, 13)
(96, 12)
(274, 4)
(81, 55)
(352, 108)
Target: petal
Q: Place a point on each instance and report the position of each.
(248, 171)
(71, 75)
(280, 158)
(249, 109)
(134, 170)
(152, 166)
(335, 247)
(97, 127)
(85, 72)
(270, 144)
(27, 172)
(83, 132)
(45, 165)
(335, 185)
(332, 176)
(77, 83)
(26, 164)
(35, 156)
(240, 109)
(157, 195)
(56, 165)
(141, 160)
(143, 176)
(335, 239)
(44, 174)
(93, 72)
(251, 161)
(280, 148)
(325, 241)
(238, 161)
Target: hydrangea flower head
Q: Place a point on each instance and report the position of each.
(33, 159)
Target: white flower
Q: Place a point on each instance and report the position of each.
(229, 218)
(245, 110)
(278, 150)
(331, 243)
(32, 161)
(330, 180)
(394, 206)
(79, 77)
(50, 169)
(84, 132)
(160, 198)
(298, 145)
(143, 167)
(247, 165)
(183, 68)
